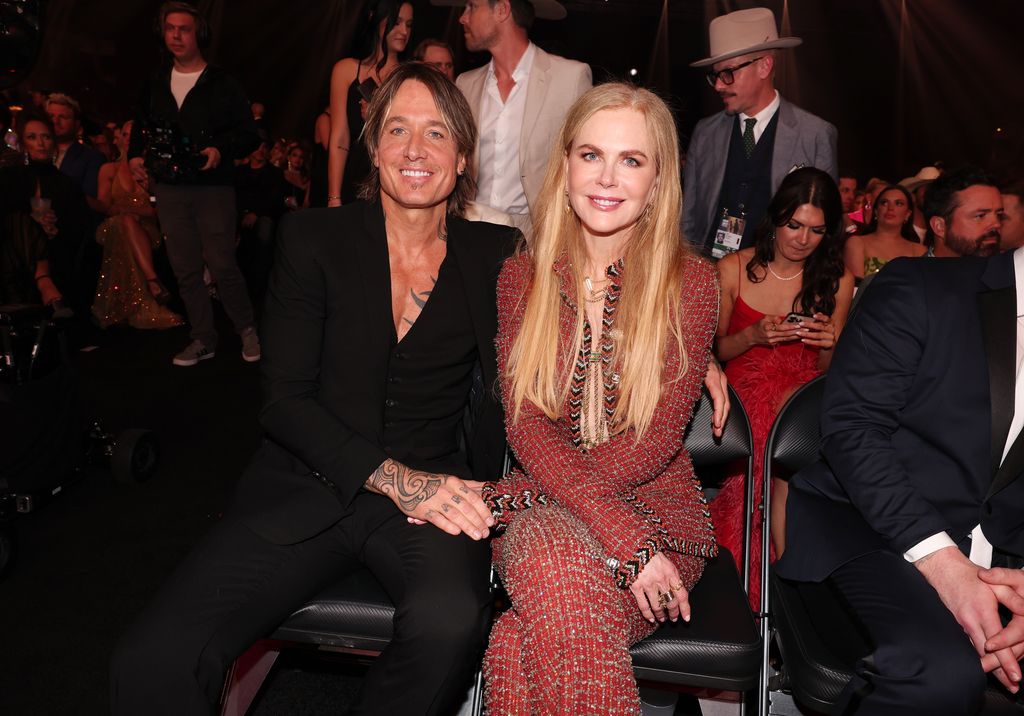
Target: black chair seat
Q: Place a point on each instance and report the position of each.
(819, 662)
(720, 647)
(352, 613)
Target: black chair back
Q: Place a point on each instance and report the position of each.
(795, 439)
(705, 449)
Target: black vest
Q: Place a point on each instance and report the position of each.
(428, 380)
(747, 184)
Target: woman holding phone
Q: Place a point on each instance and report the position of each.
(387, 25)
(784, 302)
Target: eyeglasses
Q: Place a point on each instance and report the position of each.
(726, 75)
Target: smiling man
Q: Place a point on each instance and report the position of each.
(379, 316)
(738, 157)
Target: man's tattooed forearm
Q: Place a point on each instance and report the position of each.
(407, 487)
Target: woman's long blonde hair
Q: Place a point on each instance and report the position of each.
(648, 311)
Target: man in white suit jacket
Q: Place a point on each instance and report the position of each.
(519, 101)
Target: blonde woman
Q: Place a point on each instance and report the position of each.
(605, 329)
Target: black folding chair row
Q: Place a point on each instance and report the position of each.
(819, 640)
(720, 649)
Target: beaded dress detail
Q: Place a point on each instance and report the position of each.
(590, 507)
(122, 294)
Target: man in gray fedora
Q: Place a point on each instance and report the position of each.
(738, 157)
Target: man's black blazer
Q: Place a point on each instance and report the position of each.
(327, 337)
(917, 406)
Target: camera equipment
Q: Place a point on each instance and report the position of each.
(172, 156)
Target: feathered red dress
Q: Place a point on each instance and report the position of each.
(764, 377)
(580, 524)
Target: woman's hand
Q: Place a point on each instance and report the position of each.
(820, 332)
(658, 579)
(772, 330)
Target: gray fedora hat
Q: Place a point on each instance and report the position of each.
(544, 9)
(743, 32)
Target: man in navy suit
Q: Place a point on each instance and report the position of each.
(919, 491)
(74, 159)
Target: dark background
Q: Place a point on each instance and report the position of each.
(907, 82)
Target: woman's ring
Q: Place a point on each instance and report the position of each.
(771, 326)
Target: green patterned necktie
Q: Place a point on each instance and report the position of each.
(748, 136)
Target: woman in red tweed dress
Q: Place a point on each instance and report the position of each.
(604, 334)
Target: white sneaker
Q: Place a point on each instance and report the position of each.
(193, 353)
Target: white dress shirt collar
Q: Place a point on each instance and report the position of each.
(763, 117)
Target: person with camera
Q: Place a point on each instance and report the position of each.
(195, 122)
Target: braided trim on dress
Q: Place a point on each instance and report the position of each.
(627, 571)
(502, 504)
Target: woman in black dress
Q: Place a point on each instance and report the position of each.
(388, 25)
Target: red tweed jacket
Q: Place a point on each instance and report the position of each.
(636, 498)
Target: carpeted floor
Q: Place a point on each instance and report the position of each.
(90, 560)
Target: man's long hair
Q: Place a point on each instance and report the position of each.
(648, 312)
(455, 113)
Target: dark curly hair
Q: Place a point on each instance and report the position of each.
(825, 266)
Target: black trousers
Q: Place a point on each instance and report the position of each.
(236, 587)
(923, 662)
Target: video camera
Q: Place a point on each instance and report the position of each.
(172, 156)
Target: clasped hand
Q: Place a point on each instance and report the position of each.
(445, 501)
(973, 596)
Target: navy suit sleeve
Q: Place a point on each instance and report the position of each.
(292, 331)
(870, 381)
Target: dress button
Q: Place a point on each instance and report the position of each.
(399, 355)
(389, 403)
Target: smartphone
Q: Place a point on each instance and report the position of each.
(796, 318)
(366, 88)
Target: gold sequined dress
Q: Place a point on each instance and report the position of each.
(122, 293)
(588, 511)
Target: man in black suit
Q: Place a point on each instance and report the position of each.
(920, 487)
(377, 314)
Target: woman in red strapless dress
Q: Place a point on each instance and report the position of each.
(784, 302)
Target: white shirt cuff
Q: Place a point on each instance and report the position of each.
(926, 546)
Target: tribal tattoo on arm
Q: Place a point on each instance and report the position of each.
(407, 487)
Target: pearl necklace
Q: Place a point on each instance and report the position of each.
(783, 278)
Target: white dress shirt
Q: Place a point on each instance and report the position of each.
(763, 117)
(501, 127)
(981, 548)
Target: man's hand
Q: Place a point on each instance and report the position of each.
(972, 603)
(1008, 586)
(212, 155)
(445, 501)
(718, 388)
(137, 165)
(657, 578)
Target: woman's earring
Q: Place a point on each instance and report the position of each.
(568, 204)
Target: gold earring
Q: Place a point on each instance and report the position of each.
(568, 204)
